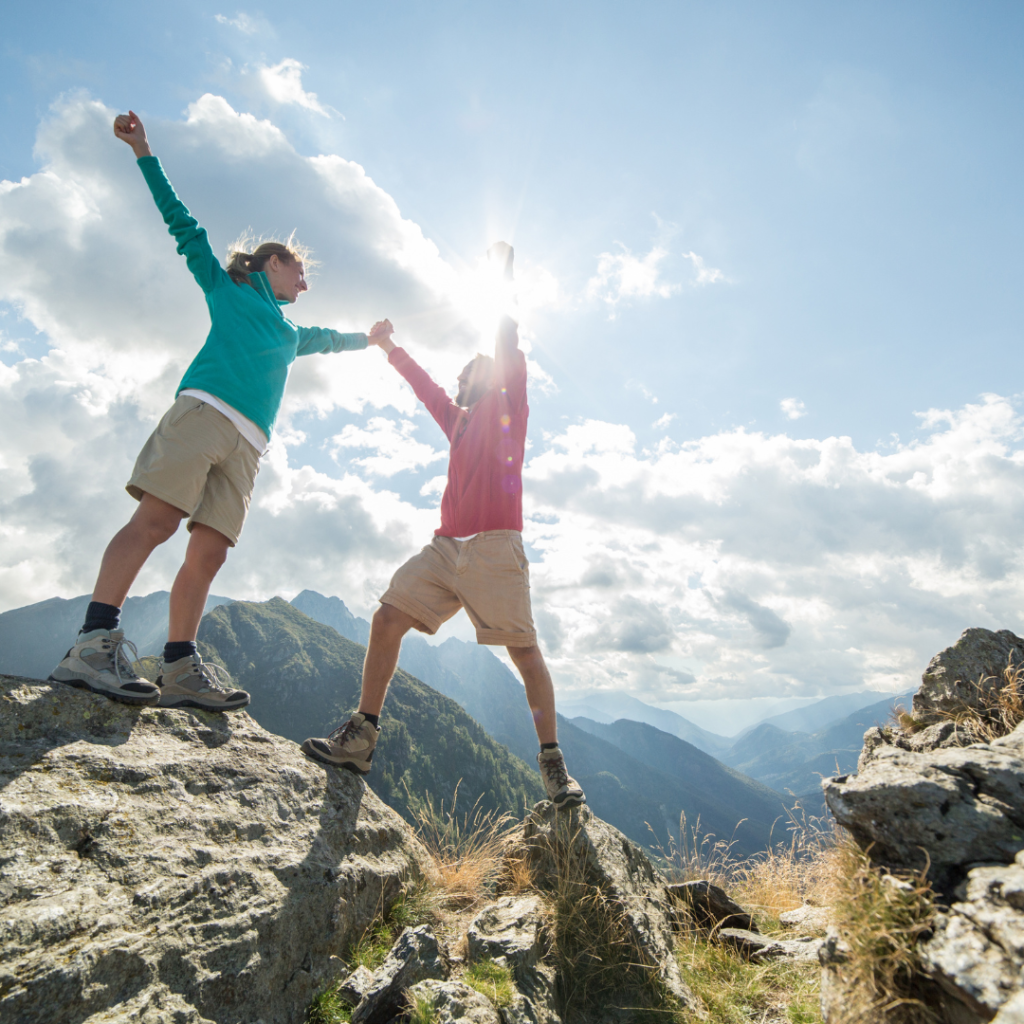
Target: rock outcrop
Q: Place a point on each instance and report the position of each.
(957, 676)
(927, 800)
(177, 866)
(945, 809)
(582, 850)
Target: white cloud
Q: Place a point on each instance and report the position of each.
(738, 564)
(283, 84)
(245, 24)
(704, 275)
(86, 259)
(756, 564)
(621, 275)
(662, 422)
(394, 447)
(792, 408)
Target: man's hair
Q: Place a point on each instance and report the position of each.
(483, 367)
(249, 255)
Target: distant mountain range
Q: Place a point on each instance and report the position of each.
(796, 762)
(33, 639)
(455, 711)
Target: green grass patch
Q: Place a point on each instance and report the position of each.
(327, 1008)
(421, 1011)
(372, 947)
(493, 980)
(734, 991)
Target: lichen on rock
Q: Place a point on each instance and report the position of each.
(181, 866)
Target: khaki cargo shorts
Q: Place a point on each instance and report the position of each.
(197, 461)
(488, 575)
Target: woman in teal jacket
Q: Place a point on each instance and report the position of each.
(201, 461)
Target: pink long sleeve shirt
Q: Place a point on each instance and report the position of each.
(485, 466)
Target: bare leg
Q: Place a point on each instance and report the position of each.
(206, 552)
(539, 690)
(153, 523)
(387, 628)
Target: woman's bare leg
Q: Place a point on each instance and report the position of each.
(153, 523)
(206, 552)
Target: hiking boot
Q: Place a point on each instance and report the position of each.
(190, 683)
(562, 789)
(349, 746)
(98, 661)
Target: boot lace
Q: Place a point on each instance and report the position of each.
(117, 648)
(342, 733)
(215, 677)
(555, 770)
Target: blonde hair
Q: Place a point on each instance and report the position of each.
(249, 255)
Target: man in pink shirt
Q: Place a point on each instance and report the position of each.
(475, 560)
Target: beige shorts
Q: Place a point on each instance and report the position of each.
(197, 461)
(487, 575)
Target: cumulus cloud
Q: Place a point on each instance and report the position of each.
(86, 260)
(762, 564)
(792, 408)
(736, 564)
(393, 445)
(283, 84)
(662, 422)
(622, 275)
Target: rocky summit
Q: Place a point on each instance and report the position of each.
(930, 801)
(177, 866)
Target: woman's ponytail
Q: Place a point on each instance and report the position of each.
(241, 262)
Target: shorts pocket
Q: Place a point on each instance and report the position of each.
(175, 416)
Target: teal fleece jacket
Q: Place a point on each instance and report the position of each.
(251, 343)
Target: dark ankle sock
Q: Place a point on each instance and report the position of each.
(177, 649)
(548, 746)
(374, 720)
(101, 616)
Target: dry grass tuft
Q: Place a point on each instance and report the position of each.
(882, 918)
(802, 869)
(467, 851)
(998, 710)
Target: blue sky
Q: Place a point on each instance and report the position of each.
(753, 230)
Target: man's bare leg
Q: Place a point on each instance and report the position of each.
(153, 523)
(388, 626)
(206, 552)
(539, 690)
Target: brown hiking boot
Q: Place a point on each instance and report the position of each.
(349, 746)
(562, 789)
(190, 683)
(99, 661)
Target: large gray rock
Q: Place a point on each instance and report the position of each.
(952, 677)
(414, 957)
(456, 1003)
(579, 844)
(177, 866)
(977, 951)
(948, 809)
(512, 929)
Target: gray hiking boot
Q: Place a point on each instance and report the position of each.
(349, 746)
(99, 661)
(562, 789)
(191, 683)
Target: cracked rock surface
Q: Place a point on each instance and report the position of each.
(977, 951)
(953, 807)
(176, 866)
